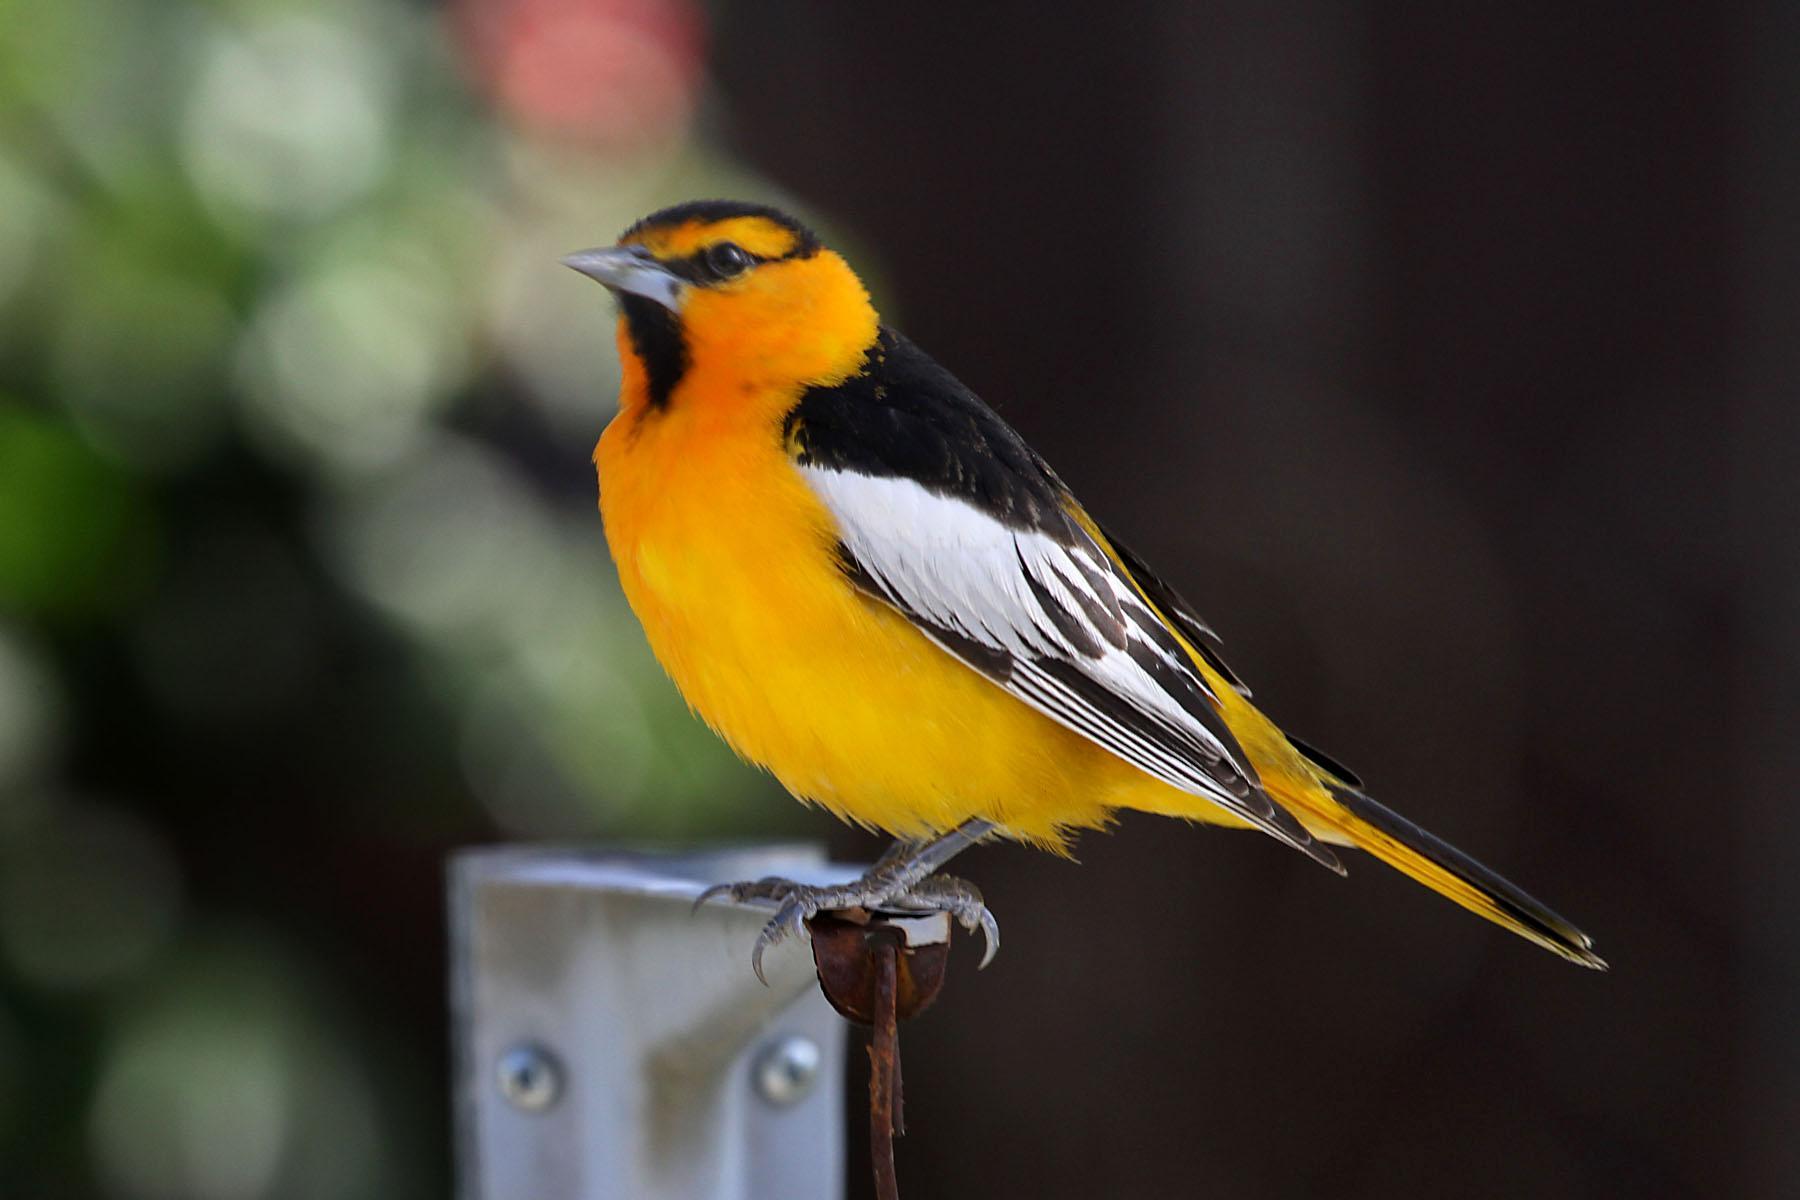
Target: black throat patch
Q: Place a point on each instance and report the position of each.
(657, 338)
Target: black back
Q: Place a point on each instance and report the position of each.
(904, 415)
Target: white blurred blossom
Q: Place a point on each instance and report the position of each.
(290, 116)
(348, 363)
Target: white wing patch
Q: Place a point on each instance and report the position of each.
(1055, 624)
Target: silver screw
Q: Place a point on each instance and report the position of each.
(786, 1069)
(530, 1077)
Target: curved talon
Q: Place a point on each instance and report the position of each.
(990, 935)
(716, 890)
(788, 920)
(769, 887)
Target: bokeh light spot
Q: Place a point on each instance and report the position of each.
(546, 767)
(223, 1084)
(450, 541)
(289, 117)
(87, 895)
(135, 355)
(621, 74)
(27, 207)
(346, 365)
(31, 716)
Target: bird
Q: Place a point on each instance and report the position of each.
(868, 584)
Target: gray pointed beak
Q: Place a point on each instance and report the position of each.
(629, 269)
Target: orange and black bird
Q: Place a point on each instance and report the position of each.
(869, 585)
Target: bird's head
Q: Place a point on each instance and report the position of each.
(741, 294)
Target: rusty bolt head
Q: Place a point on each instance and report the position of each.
(844, 954)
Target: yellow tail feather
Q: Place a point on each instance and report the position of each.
(1440, 866)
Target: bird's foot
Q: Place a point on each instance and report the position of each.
(962, 900)
(797, 903)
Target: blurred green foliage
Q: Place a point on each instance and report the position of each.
(301, 582)
(69, 515)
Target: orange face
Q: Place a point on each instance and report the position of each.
(722, 301)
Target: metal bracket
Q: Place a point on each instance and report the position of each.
(611, 1041)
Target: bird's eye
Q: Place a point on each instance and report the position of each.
(728, 259)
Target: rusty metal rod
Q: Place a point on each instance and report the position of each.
(899, 1090)
(884, 1068)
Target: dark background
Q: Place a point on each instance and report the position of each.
(1447, 362)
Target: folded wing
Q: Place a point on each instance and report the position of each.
(1047, 614)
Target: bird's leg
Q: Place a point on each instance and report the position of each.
(898, 881)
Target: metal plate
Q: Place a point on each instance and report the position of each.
(635, 1031)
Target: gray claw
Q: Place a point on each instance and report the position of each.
(788, 920)
(990, 937)
(769, 887)
(716, 890)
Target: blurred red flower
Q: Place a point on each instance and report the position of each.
(617, 74)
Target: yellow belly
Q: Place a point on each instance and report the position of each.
(728, 560)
